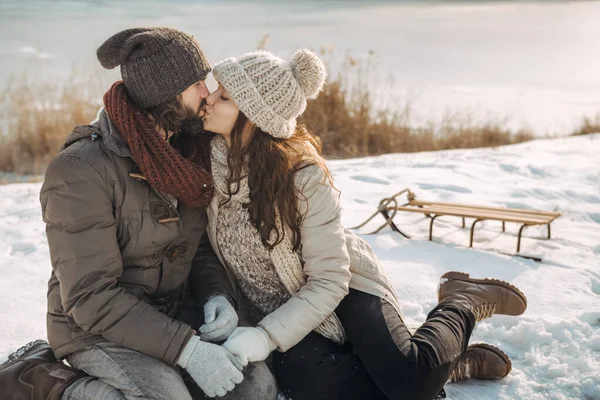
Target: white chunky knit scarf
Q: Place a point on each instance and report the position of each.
(286, 262)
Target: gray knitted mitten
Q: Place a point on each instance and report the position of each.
(220, 319)
(215, 370)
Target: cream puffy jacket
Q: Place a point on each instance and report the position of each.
(333, 258)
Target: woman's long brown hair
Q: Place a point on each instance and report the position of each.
(272, 165)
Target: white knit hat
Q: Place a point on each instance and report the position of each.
(270, 91)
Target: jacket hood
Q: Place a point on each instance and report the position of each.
(100, 127)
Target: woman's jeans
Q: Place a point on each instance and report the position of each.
(381, 359)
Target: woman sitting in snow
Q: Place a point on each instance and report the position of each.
(317, 292)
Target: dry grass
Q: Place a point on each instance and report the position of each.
(350, 126)
(38, 116)
(588, 125)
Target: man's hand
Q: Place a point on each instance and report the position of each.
(250, 344)
(220, 319)
(215, 370)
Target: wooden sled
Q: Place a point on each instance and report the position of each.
(388, 208)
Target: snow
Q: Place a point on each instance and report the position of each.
(554, 346)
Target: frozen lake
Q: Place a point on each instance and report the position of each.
(536, 63)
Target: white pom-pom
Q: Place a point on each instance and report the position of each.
(309, 71)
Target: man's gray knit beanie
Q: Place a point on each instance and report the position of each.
(156, 63)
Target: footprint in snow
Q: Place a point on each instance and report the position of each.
(511, 204)
(22, 249)
(595, 283)
(370, 179)
(591, 318)
(509, 168)
(539, 172)
(451, 188)
(595, 217)
(519, 195)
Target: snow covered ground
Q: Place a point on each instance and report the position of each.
(554, 346)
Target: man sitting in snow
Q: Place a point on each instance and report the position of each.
(123, 204)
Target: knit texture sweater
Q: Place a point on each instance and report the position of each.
(267, 278)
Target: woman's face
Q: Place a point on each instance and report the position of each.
(220, 113)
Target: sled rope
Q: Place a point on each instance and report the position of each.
(383, 208)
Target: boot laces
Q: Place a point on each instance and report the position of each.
(484, 311)
(461, 371)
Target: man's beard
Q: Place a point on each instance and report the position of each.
(193, 124)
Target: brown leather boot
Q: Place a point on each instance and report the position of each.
(484, 297)
(481, 361)
(33, 373)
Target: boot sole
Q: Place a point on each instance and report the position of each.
(497, 351)
(464, 277)
(15, 356)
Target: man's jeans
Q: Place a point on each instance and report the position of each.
(118, 373)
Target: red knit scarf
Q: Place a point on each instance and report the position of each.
(162, 165)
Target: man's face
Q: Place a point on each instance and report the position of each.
(193, 97)
(192, 100)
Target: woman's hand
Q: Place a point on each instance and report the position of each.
(250, 344)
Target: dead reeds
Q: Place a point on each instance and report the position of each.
(36, 116)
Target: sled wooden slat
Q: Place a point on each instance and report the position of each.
(495, 215)
(477, 207)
